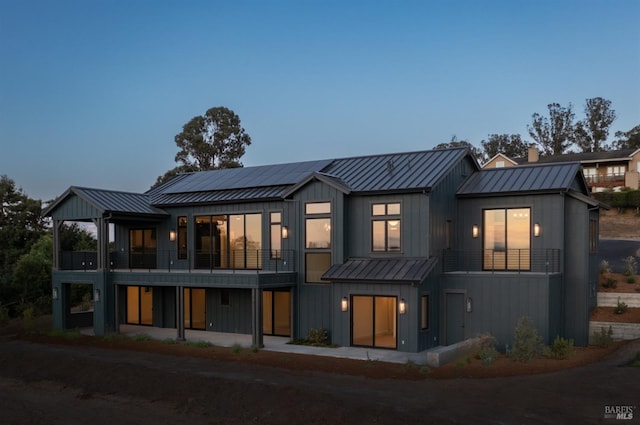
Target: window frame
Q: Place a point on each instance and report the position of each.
(507, 257)
(385, 217)
(424, 312)
(182, 237)
(314, 212)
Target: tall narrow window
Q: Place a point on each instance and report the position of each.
(275, 219)
(385, 227)
(507, 239)
(317, 240)
(182, 238)
(424, 312)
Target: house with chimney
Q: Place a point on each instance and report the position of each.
(607, 170)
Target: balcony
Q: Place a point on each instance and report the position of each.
(605, 180)
(257, 261)
(511, 260)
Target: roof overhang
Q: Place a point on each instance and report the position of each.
(381, 270)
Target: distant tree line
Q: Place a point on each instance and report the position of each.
(26, 251)
(558, 133)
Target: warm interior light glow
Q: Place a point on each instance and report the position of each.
(536, 230)
(172, 235)
(402, 306)
(475, 231)
(344, 304)
(285, 232)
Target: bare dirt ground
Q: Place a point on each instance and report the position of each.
(78, 380)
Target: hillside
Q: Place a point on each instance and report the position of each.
(619, 226)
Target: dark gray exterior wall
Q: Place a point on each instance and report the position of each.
(313, 307)
(500, 299)
(580, 271)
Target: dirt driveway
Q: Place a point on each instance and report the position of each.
(68, 384)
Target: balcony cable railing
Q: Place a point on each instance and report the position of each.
(508, 260)
(259, 260)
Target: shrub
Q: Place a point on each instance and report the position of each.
(630, 265)
(633, 200)
(610, 283)
(318, 336)
(487, 352)
(619, 200)
(604, 338)
(198, 344)
(631, 279)
(604, 267)
(236, 348)
(561, 348)
(621, 307)
(527, 342)
(142, 337)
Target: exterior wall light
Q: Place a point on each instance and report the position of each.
(475, 231)
(285, 232)
(469, 304)
(172, 235)
(402, 306)
(54, 293)
(96, 296)
(537, 230)
(344, 304)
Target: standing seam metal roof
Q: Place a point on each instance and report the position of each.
(399, 171)
(542, 177)
(400, 270)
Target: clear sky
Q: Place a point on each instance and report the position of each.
(92, 93)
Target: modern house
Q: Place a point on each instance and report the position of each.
(603, 170)
(404, 251)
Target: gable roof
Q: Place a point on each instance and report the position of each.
(525, 179)
(109, 201)
(499, 155)
(399, 171)
(392, 270)
(408, 171)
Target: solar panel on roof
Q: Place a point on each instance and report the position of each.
(246, 177)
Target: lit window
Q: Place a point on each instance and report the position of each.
(507, 239)
(385, 227)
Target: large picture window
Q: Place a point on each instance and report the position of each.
(228, 241)
(385, 227)
(507, 239)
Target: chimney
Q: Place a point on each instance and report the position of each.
(532, 154)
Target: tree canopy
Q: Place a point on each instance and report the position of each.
(208, 142)
(510, 145)
(554, 135)
(455, 143)
(590, 134)
(628, 139)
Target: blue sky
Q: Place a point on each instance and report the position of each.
(92, 93)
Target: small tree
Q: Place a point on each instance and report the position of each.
(527, 342)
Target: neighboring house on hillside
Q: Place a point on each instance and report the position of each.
(403, 251)
(603, 170)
